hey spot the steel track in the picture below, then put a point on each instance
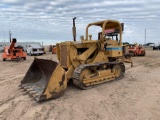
(79, 69)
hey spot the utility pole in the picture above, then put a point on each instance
(10, 36)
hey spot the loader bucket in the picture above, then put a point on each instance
(45, 79)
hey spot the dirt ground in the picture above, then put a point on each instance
(135, 97)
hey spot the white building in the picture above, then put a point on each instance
(24, 44)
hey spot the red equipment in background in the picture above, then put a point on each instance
(136, 50)
(54, 50)
(13, 52)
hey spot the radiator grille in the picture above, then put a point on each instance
(63, 55)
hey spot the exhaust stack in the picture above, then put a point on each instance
(74, 29)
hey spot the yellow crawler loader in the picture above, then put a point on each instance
(86, 62)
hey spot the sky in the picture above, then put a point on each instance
(50, 21)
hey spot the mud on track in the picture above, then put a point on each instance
(135, 97)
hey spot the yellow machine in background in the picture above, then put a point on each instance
(87, 62)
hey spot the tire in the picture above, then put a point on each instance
(131, 53)
(127, 56)
(143, 53)
(24, 58)
(18, 58)
(135, 54)
(4, 59)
